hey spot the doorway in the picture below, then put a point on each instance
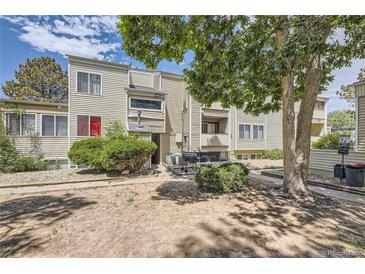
(155, 159)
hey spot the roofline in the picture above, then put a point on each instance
(324, 98)
(86, 59)
(24, 102)
(358, 83)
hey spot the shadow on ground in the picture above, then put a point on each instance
(263, 224)
(18, 215)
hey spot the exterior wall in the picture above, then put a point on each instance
(195, 125)
(322, 161)
(55, 147)
(360, 115)
(110, 105)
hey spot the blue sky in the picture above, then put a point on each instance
(23, 37)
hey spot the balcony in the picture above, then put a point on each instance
(319, 116)
(216, 139)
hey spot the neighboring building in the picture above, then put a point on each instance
(155, 104)
(360, 115)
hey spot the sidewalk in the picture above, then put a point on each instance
(325, 191)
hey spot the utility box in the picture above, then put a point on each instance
(178, 137)
(339, 171)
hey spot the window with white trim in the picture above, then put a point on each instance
(54, 125)
(256, 156)
(88, 125)
(243, 156)
(20, 124)
(244, 131)
(146, 104)
(258, 131)
(88, 83)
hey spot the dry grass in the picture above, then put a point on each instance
(173, 220)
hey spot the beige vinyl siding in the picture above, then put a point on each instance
(110, 105)
(141, 78)
(53, 147)
(273, 130)
(360, 90)
(249, 144)
(195, 125)
(173, 86)
(322, 160)
(361, 123)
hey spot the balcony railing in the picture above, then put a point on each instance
(217, 139)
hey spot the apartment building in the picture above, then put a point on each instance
(359, 88)
(155, 104)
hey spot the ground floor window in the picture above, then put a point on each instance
(88, 125)
(57, 164)
(20, 124)
(243, 156)
(252, 156)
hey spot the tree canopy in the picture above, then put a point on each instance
(38, 79)
(258, 64)
(341, 120)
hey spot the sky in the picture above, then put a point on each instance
(23, 37)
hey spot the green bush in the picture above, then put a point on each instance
(330, 141)
(126, 154)
(87, 152)
(8, 153)
(227, 178)
(28, 163)
(115, 130)
(12, 161)
(273, 154)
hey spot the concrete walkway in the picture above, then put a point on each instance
(86, 185)
(325, 191)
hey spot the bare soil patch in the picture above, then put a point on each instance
(172, 219)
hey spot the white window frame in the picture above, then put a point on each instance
(21, 122)
(256, 154)
(263, 131)
(88, 83)
(54, 125)
(244, 124)
(242, 158)
(88, 115)
(148, 109)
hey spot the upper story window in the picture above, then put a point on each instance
(88, 125)
(210, 127)
(258, 132)
(88, 83)
(244, 131)
(54, 125)
(146, 104)
(319, 105)
(20, 124)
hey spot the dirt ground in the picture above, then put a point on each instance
(171, 219)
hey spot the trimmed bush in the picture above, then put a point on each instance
(227, 178)
(126, 154)
(28, 163)
(330, 141)
(273, 154)
(87, 152)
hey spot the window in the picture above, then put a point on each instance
(88, 83)
(319, 105)
(210, 127)
(20, 124)
(243, 156)
(244, 131)
(88, 125)
(258, 132)
(146, 104)
(53, 125)
(255, 156)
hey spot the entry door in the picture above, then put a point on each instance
(155, 159)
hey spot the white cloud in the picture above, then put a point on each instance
(88, 36)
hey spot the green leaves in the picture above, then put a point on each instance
(236, 58)
(38, 79)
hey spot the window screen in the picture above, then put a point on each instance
(146, 104)
(47, 125)
(82, 125)
(244, 131)
(258, 131)
(82, 82)
(61, 126)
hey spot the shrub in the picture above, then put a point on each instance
(28, 163)
(87, 152)
(115, 130)
(227, 178)
(126, 154)
(273, 154)
(8, 153)
(330, 141)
